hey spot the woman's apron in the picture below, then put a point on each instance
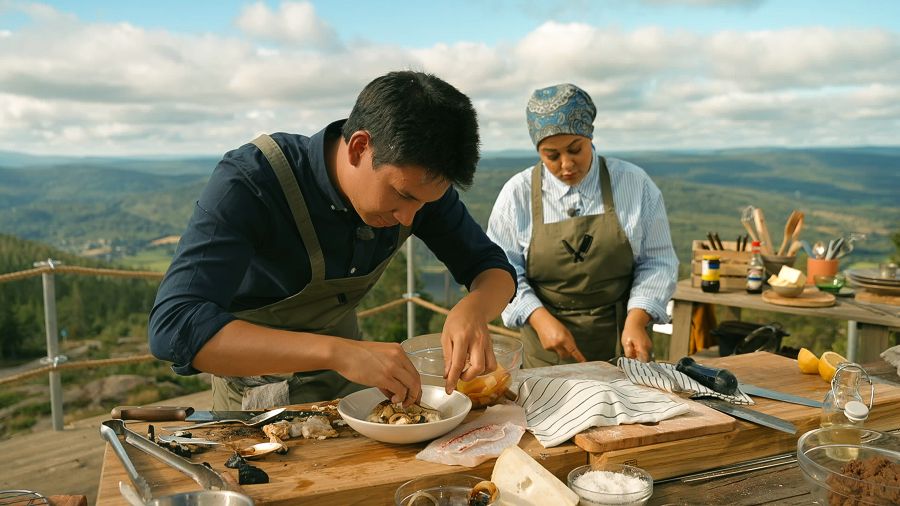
(581, 269)
(324, 306)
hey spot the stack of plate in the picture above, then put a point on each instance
(871, 280)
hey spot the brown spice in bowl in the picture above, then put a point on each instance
(871, 481)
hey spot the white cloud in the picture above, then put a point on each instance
(294, 23)
(90, 88)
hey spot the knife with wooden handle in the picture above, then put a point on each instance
(151, 413)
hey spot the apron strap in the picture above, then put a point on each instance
(606, 186)
(291, 189)
(537, 201)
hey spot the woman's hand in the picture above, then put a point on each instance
(636, 341)
(554, 335)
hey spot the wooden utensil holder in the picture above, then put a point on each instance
(732, 265)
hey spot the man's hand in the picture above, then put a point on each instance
(554, 335)
(467, 342)
(381, 365)
(636, 342)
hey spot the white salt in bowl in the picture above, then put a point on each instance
(612, 491)
(355, 408)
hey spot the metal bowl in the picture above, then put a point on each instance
(825, 456)
(204, 498)
(774, 263)
(355, 408)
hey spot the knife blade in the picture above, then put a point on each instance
(215, 416)
(748, 414)
(188, 414)
(778, 396)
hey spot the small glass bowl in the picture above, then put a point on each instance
(830, 284)
(446, 490)
(593, 498)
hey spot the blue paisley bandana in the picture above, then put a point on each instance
(560, 109)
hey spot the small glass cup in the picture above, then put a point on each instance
(830, 284)
(888, 270)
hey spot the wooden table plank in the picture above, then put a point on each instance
(873, 335)
(348, 470)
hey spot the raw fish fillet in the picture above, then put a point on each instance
(482, 439)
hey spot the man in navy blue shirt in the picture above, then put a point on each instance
(292, 231)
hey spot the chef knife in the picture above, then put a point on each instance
(778, 396)
(187, 414)
(751, 415)
(722, 381)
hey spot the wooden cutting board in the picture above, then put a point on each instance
(749, 441)
(701, 420)
(811, 297)
(877, 298)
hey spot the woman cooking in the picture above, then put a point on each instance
(588, 237)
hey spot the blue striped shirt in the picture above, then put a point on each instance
(641, 212)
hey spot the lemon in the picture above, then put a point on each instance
(808, 362)
(828, 363)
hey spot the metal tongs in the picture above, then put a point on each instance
(140, 494)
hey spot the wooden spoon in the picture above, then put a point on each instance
(789, 228)
(763, 230)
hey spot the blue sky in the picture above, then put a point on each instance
(198, 77)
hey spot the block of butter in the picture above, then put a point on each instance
(524, 482)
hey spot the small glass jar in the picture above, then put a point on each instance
(709, 274)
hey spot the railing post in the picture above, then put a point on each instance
(53, 357)
(410, 290)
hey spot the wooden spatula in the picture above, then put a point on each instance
(763, 229)
(789, 228)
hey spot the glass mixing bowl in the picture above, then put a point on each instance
(838, 464)
(426, 354)
(633, 497)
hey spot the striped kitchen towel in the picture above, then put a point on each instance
(558, 408)
(665, 377)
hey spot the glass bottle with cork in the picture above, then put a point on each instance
(755, 269)
(844, 411)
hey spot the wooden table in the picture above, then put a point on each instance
(356, 470)
(343, 471)
(778, 481)
(874, 327)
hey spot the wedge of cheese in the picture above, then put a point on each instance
(524, 482)
(792, 276)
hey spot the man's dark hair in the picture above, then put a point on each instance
(415, 118)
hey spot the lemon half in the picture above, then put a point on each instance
(808, 362)
(828, 363)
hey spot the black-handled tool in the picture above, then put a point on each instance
(722, 381)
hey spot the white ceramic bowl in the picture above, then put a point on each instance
(355, 408)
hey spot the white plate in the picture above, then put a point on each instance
(355, 408)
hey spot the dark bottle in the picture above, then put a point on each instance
(709, 274)
(755, 270)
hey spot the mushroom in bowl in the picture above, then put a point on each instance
(356, 408)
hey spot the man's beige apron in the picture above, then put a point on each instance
(583, 282)
(324, 306)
